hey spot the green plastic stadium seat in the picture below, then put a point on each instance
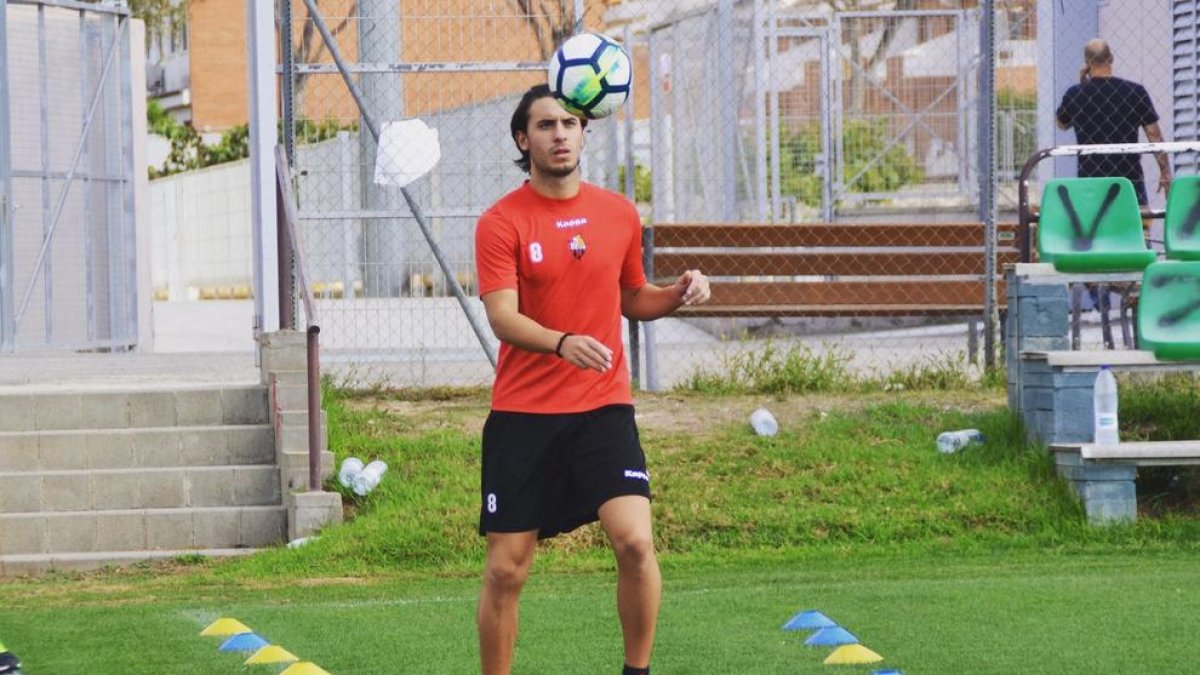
(1092, 225)
(1168, 320)
(1181, 225)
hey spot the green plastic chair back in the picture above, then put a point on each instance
(1092, 225)
(1181, 225)
(1168, 316)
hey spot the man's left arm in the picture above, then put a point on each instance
(1154, 135)
(650, 302)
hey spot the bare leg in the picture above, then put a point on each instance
(639, 582)
(508, 558)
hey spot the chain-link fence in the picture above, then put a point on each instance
(847, 132)
(67, 246)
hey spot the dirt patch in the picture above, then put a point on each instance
(681, 413)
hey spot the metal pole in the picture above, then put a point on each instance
(727, 110)
(287, 85)
(373, 127)
(46, 260)
(128, 221)
(7, 324)
(260, 65)
(773, 110)
(827, 128)
(762, 82)
(385, 261)
(635, 352)
(85, 66)
(987, 174)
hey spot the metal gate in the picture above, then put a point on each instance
(904, 97)
(67, 249)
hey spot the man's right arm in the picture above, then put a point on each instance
(1062, 116)
(522, 332)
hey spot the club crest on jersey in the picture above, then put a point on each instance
(578, 246)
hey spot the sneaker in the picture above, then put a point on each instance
(9, 663)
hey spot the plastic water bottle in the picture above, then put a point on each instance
(763, 422)
(369, 477)
(953, 441)
(1104, 408)
(351, 467)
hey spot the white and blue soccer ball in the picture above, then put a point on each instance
(590, 75)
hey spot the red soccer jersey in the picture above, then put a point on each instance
(568, 260)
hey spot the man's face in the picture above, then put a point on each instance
(553, 138)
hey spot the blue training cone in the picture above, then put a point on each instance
(888, 671)
(831, 637)
(809, 620)
(243, 642)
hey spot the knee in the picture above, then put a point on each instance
(635, 550)
(506, 576)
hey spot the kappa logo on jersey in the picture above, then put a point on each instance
(578, 246)
(640, 475)
(570, 223)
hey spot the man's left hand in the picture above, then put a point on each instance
(692, 287)
(1164, 180)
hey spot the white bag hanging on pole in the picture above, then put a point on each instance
(407, 150)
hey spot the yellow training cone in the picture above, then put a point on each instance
(272, 654)
(304, 668)
(852, 654)
(226, 627)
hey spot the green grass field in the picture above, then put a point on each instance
(971, 563)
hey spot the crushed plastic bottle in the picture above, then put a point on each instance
(952, 441)
(763, 422)
(351, 467)
(369, 477)
(1104, 408)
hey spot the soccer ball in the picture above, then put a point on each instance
(590, 75)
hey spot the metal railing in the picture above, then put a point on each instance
(290, 251)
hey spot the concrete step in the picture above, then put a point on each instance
(37, 563)
(139, 488)
(51, 533)
(56, 408)
(74, 450)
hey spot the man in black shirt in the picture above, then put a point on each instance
(1105, 109)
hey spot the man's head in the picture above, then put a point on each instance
(535, 122)
(1096, 56)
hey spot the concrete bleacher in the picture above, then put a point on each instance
(1051, 387)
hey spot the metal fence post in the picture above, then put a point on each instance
(987, 174)
(7, 325)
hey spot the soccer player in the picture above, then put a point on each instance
(1106, 109)
(559, 261)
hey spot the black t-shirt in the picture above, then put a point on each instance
(1107, 110)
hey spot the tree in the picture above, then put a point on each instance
(163, 18)
(858, 78)
(551, 21)
(310, 47)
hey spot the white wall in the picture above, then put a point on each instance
(200, 224)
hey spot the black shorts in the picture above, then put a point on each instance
(551, 473)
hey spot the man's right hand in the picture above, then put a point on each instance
(586, 352)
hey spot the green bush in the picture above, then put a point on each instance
(189, 151)
(885, 169)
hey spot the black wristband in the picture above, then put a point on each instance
(558, 347)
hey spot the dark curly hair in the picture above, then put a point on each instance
(520, 120)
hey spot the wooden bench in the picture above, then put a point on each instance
(825, 269)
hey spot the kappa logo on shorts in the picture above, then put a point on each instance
(640, 475)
